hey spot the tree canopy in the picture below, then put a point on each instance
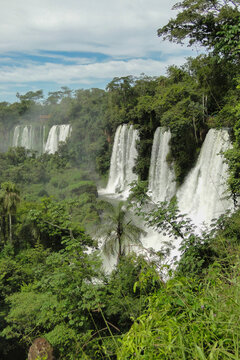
(211, 23)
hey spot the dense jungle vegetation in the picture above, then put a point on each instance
(51, 280)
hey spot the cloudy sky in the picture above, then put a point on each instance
(46, 44)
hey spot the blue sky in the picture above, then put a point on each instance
(46, 44)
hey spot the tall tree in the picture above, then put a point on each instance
(28, 100)
(118, 231)
(9, 197)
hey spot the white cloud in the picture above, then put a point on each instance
(84, 74)
(121, 28)
(123, 31)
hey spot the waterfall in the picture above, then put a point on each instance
(203, 196)
(32, 137)
(123, 158)
(57, 134)
(26, 139)
(23, 136)
(162, 185)
(64, 132)
(16, 134)
(52, 140)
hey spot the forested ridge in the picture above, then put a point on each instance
(52, 283)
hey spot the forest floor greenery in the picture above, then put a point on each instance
(52, 283)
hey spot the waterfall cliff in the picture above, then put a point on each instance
(162, 185)
(203, 196)
(29, 136)
(123, 158)
(57, 134)
(33, 137)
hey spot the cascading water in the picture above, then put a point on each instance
(203, 196)
(57, 134)
(16, 134)
(23, 136)
(27, 137)
(123, 158)
(64, 132)
(33, 137)
(52, 140)
(162, 185)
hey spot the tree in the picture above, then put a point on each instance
(9, 197)
(118, 231)
(204, 22)
(28, 100)
(52, 222)
(229, 45)
(57, 302)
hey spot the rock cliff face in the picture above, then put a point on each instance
(40, 349)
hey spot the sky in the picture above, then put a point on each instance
(46, 44)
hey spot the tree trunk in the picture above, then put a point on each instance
(10, 228)
(119, 250)
(119, 237)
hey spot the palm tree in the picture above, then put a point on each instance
(118, 232)
(9, 198)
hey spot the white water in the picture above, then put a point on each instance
(203, 196)
(123, 158)
(52, 140)
(23, 136)
(57, 134)
(27, 137)
(33, 137)
(16, 136)
(162, 185)
(64, 132)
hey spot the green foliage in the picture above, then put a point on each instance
(9, 200)
(51, 283)
(123, 301)
(53, 223)
(232, 158)
(56, 300)
(118, 232)
(87, 112)
(83, 187)
(197, 252)
(229, 44)
(138, 192)
(28, 101)
(187, 319)
(213, 24)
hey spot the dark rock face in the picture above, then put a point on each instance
(40, 350)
